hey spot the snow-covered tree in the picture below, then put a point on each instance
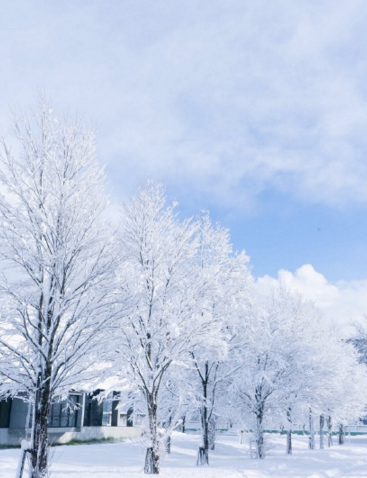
(224, 281)
(273, 357)
(158, 253)
(343, 386)
(56, 286)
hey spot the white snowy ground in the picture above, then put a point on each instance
(229, 460)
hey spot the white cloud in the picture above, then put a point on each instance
(221, 98)
(341, 302)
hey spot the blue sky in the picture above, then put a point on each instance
(255, 110)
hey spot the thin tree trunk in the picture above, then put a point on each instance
(289, 432)
(39, 435)
(203, 457)
(322, 423)
(149, 461)
(341, 434)
(330, 431)
(260, 433)
(168, 445)
(205, 427)
(289, 441)
(212, 433)
(203, 453)
(168, 439)
(152, 462)
(311, 442)
(152, 458)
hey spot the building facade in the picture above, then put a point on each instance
(81, 417)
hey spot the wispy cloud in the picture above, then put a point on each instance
(221, 99)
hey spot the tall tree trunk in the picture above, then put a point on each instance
(203, 453)
(39, 434)
(322, 423)
(203, 457)
(341, 434)
(260, 433)
(168, 445)
(205, 427)
(168, 439)
(289, 441)
(152, 457)
(289, 432)
(329, 431)
(311, 442)
(212, 433)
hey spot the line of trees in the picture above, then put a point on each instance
(198, 340)
(162, 303)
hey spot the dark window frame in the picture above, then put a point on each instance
(5, 411)
(63, 415)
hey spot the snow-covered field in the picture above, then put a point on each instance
(229, 460)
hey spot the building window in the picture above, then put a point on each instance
(93, 415)
(65, 413)
(5, 407)
(107, 413)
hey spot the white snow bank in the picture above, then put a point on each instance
(229, 460)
